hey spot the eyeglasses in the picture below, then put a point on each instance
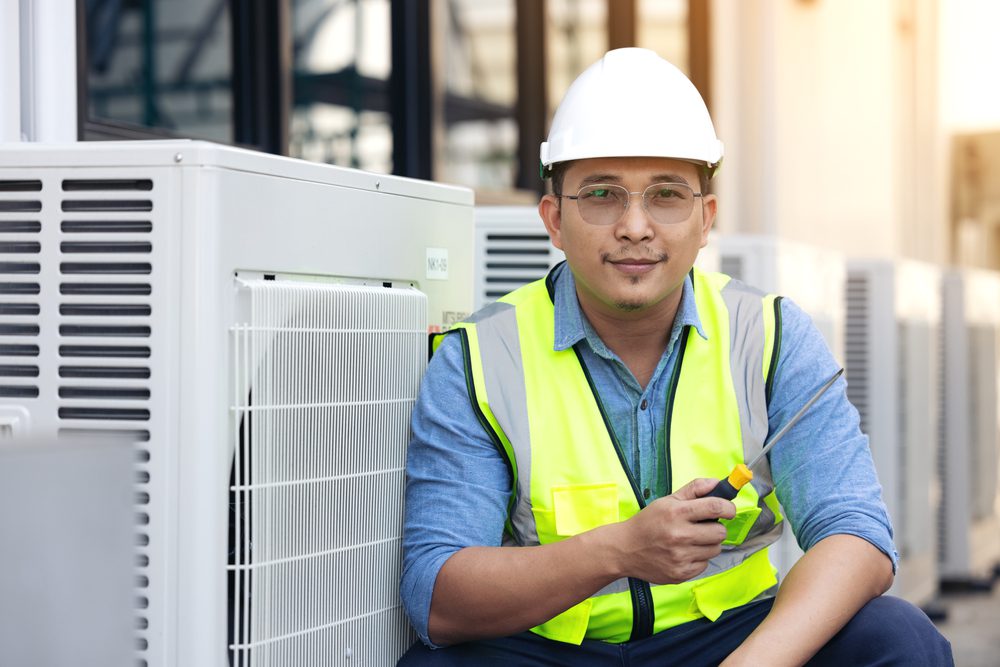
(605, 204)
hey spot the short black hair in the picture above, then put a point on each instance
(558, 174)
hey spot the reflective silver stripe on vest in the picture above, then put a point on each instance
(500, 351)
(746, 359)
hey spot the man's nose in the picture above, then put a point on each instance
(635, 223)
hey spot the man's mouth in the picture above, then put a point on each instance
(627, 262)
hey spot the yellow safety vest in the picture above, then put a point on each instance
(569, 473)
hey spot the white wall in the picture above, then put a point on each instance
(821, 105)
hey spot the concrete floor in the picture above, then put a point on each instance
(973, 627)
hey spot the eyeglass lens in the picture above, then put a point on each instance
(666, 203)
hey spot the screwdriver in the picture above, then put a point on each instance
(741, 474)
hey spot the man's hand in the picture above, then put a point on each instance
(497, 591)
(672, 539)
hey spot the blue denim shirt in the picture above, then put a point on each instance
(458, 484)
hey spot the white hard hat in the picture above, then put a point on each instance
(632, 103)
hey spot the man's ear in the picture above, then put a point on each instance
(710, 206)
(551, 215)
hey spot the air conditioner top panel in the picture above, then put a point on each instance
(185, 152)
(507, 215)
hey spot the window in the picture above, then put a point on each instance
(154, 69)
(341, 63)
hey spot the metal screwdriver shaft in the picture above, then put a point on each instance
(728, 488)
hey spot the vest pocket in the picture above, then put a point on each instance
(577, 508)
(739, 526)
(569, 626)
(734, 587)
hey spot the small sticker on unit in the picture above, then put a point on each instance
(437, 263)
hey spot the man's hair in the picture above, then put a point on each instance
(558, 172)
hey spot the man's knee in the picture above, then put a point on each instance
(887, 631)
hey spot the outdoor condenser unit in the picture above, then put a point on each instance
(969, 532)
(891, 347)
(813, 278)
(513, 249)
(258, 325)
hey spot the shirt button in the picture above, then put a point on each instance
(642, 406)
(645, 494)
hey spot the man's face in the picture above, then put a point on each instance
(634, 265)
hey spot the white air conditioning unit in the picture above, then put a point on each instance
(257, 324)
(969, 530)
(813, 278)
(512, 250)
(891, 345)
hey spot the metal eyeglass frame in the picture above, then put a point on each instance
(628, 200)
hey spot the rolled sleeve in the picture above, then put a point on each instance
(823, 469)
(457, 483)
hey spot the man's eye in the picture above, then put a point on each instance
(669, 193)
(598, 193)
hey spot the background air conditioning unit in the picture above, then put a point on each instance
(257, 324)
(512, 249)
(969, 532)
(893, 328)
(814, 279)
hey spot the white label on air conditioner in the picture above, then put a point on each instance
(437, 264)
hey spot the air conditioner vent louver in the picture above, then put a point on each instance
(19, 247)
(513, 260)
(107, 184)
(26, 226)
(20, 308)
(24, 370)
(21, 186)
(19, 288)
(107, 205)
(20, 206)
(102, 311)
(20, 267)
(105, 268)
(115, 372)
(105, 289)
(107, 226)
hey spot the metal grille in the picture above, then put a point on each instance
(941, 453)
(20, 266)
(902, 519)
(514, 260)
(105, 334)
(325, 380)
(982, 420)
(857, 342)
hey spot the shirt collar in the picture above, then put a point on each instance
(571, 326)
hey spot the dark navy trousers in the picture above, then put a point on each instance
(886, 631)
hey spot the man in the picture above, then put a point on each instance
(566, 436)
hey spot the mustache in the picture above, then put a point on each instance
(642, 251)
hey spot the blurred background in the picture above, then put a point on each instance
(869, 126)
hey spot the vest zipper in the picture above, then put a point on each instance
(642, 596)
